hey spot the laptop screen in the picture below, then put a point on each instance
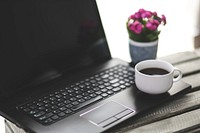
(43, 38)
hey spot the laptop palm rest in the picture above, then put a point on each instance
(107, 113)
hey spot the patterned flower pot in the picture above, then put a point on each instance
(140, 51)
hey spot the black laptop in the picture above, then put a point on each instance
(56, 70)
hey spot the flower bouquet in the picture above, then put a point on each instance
(143, 26)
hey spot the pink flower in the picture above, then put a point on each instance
(136, 27)
(137, 15)
(131, 17)
(154, 13)
(146, 14)
(156, 22)
(163, 18)
(142, 10)
(152, 24)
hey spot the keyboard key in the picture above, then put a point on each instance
(48, 121)
(87, 103)
(115, 85)
(39, 114)
(116, 89)
(45, 116)
(110, 92)
(114, 81)
(68, 111)
(55, 117)
(62, 109)
(56, 111)
(32, 112)
(104, 94)
(26, 109)
(61, 114)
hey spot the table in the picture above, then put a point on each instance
(182, 114)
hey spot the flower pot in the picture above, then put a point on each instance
(140, 51)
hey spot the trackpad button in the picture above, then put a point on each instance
(105, 114)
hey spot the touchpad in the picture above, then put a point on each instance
(107, 113)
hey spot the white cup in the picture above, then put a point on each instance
(153, 83)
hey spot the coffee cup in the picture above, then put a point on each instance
(156, 76)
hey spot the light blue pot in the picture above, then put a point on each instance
(140, 51)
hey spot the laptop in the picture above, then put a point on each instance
(57, 74)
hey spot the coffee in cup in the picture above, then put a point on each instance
(155, 76)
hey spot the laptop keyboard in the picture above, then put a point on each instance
(70, 99)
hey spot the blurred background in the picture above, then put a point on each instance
(183, 24)
(181, 33)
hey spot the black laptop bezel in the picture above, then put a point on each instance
(102, 52)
